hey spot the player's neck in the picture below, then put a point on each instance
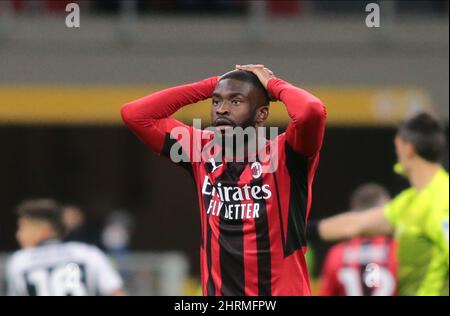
(242, 151)
(51, 238)
(422, 173)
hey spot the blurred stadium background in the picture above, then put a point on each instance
(61, 135)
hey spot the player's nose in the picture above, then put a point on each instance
(223, 109)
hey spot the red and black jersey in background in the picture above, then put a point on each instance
(253, 220)
(361, 267)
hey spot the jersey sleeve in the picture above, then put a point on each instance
(436, 229)
(149, 117)
(305, 132)
(108, 279)
(10, 286)
(14, 281)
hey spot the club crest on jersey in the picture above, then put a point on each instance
(256, 170)
(214, 165)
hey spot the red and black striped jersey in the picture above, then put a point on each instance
(253, 216)
(361, 267)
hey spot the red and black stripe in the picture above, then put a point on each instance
(263, 246)
(210, 288)
(298, 201)
(231, 240)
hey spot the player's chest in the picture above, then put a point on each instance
(235, 191)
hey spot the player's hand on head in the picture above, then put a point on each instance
(264, 74)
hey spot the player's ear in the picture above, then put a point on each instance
(262, 114)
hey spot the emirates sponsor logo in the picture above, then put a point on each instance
(236, 193)
(233, 211)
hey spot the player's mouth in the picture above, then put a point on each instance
(223, 123)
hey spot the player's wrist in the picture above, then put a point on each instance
(271, 88)
(209, 84)
(312, 231)
(212, 80)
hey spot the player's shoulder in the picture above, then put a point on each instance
(86, 253)
(276, 145)
(440, 183)
(443, 176)
(338, 249)
(402, 198)
(406, 193)
(18, 259)
(335, 256)
(14, 258)
(441, 189)
(280, 137)
(433, 202)
(81, 248)
(285, 149)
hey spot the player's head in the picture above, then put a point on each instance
(368, 195)
(421, 137)
(38, 220)
(239, 99)
(72, 217)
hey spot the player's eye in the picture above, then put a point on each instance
(215, 102)
(236, 102)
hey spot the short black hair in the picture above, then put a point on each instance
(250, 77)
(43, 209)
(368, 195)
(426, 134)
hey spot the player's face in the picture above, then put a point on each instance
(72, 218)
(404, 152)
(235, 103)
(30, 232)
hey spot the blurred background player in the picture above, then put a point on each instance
(75, 226)
(418, 216)
(362, 266)
(47, 267)
(115, 238)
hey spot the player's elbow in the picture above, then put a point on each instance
(127, 113)
(317, 112)
(133, 115)
(314, 114)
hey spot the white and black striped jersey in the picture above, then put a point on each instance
(61, 269)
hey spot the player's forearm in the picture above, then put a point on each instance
(347, 225)
(164, 103)
(301, 105)
(339, 227)
(307, 112)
